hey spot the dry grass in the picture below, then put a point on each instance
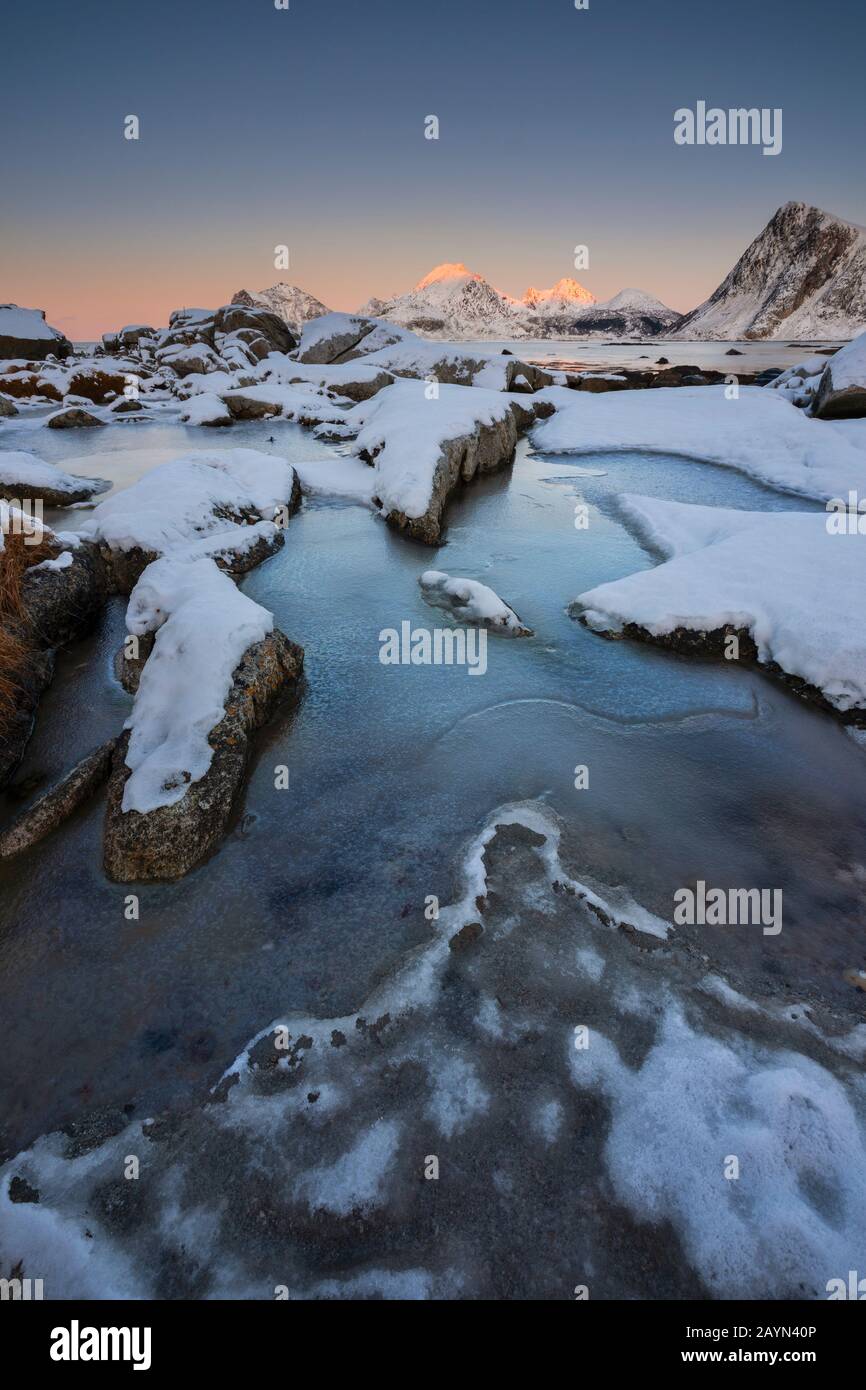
(16, 640)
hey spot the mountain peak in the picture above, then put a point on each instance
(565, 292)
(447, 271)
(804, 276)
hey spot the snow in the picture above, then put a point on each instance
(301, 402)
(277, 366)
(408, 430)
(339, 477)
(759, 433)
(470, 602)
(28, 474)
(204, 409)
(177, 502)
(796, 587)
(203, 626)
(848, 366)
(25, 323)
(693, 1101)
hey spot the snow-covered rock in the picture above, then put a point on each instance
(471, 602)
(759, 432)
(804, 276)
(204, 408)
(221, 502)
(423, 446)
(355, 381)
(215, 672)
(23, 475)
(841, 391)
(781, 581)
(24, 333)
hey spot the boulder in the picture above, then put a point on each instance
(841, 392)
(7, 408)
(260, 323)
(24, 333)
(24, 384)
(461, 460)
(95, 385)
(58, 803)
(168, 842)
(72, 419)
(328, 338)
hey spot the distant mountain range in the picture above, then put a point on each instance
(803, 277)
(454, 302)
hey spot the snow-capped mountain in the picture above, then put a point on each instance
(453, 302)
(629, 314)
(564, 297)
(803, 277)
(456, 303)
(293, 305)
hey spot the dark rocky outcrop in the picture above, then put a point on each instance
(167, 843)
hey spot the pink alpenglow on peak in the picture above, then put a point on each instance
(562, 296)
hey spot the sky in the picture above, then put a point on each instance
(304, 127)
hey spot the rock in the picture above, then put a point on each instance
(733, 352)
(57, 804)
(24, 333)
(333, 335)
(23, 384)
(261, 323)
(461, 460)
(7, 408)
(132, 335)
(246, 407)
(466, 936)
(29, 686)
(95, 386)
(24, 475)
(128, 668)
(166, 843)
(56, 606)
(63, 604)
(127, 405)
(662, 361)
(186, 359)
(842, 388)
(72, 419)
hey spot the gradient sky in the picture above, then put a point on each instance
(306, 127)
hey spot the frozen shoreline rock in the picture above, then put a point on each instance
(180, 765)
(219, 503)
